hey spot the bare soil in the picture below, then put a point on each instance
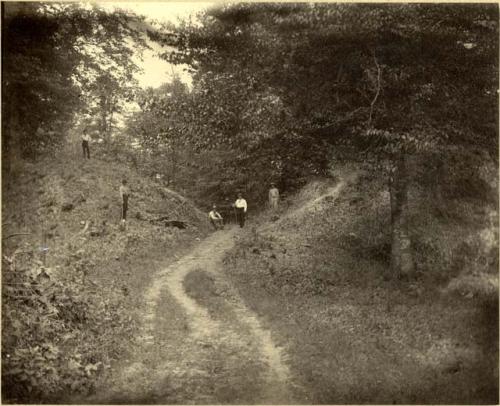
(198, 342)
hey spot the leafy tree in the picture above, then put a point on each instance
(106, 73)
(37, 87)
(56, 59)
(160, 126)
(390, 80)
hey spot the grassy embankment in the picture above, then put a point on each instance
(69, 316)
(319, 277)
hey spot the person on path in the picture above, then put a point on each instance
(124, 194)
(274, 197)
(216, 219)
(241, 209)
(85, 143)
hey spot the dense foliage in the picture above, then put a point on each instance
(281, 92)
(410, 73)
(180, 129)
(59, 60)
(57, 329)
(388, 80)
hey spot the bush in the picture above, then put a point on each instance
(58, 336)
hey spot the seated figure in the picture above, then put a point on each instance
(216, 219)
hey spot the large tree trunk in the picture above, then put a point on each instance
(402, 263)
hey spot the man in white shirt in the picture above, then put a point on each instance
(241, 209)
(216, 218)
(274, 197)
(85, 143)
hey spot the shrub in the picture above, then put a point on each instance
(58, 336)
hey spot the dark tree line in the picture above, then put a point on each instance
(282, 84)
(277, 89)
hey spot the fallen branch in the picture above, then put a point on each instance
(81, 231)
(21, 283)
(174, 194)
(170, 223)
(15, 234)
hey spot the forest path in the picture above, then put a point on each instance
(199, 343)
(313, 202)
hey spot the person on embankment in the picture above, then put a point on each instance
(124, 195)
(274, 197)
(85, 144)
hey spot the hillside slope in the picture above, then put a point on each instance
(106, 304)
(320, 278)
(73, 282)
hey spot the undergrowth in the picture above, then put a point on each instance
(321, 279)
(59, 334)
(72, 282)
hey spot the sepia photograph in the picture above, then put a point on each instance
(260, 203)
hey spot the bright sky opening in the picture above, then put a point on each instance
(157, 71)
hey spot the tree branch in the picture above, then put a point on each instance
(379, 73)
(333, 125)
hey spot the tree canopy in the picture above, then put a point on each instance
(59, 59)
(280, 84)
(423, 74)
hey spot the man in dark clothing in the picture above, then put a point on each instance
(85, 143)
(124, 193)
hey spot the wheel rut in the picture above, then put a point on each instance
(190, 352)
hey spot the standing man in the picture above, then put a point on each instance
(241, 209)
(124, 194)
(274, 197)
(216, 218)
(85, 143)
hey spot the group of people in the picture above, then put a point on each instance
(240, 207)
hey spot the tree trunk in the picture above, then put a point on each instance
(12, 138)
(437, 189)
(110, 123)
(402, 263)
(174, 164)
(104, 118)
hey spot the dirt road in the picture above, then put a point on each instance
(199, 343)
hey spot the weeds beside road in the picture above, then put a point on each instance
(300, 310)
(353, 335)
(69, 311)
